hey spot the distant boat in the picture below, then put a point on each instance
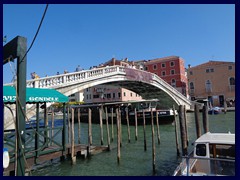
(165, 116)
(215, 110)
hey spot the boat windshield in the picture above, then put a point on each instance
(224, 151)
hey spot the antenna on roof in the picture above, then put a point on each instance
(212, 57)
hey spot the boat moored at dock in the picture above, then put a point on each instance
(213, 155)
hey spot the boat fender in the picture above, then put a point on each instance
(6, 158)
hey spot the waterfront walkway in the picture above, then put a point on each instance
(49, 154)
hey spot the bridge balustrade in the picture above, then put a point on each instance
(97, 73)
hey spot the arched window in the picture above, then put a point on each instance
(173, 83)
(208, 86)
(232, 81)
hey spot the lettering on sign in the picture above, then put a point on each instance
(49, 99)
(9, 98)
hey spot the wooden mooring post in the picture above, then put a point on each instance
(176, 131)
(205, 117)
(46, 132)
(112, 124)
(136, 124)
(158, 131)
(128, 127)
(37, 134)
(197, 123)
(120, 125)
(118, 137)
(225, 106)
(73, 157)
(153, 144)
(101, 124)
(183, 130)
(52, 134)
(79, 126)
(69, 132)
(185, 117)
(89, 132)
(144, 131)
(108, 138)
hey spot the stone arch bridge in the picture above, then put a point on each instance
(146, 84)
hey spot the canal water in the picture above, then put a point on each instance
(134, 160)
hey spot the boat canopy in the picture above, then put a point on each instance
(34, 95)
(217, 138)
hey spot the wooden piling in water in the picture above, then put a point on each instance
(79, 126)
(153, 144)
(128, 127)
(144, 131)
(225, 106)
(89, 132)
(36, 133)
(185, 117)
(112, 124)
(118, 136)
(205, 118)
(120, 126)
(158, 131)
(73, 157)
(101, 124)
(136, 124)
(52, 134)
(69, 132)
(46, 132)
(197, 123)
(176, 131)
(183, 130)
(108, 138)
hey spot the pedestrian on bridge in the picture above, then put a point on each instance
(78, 68)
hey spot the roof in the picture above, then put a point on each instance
(34, 95)
(169, 58)
(115, 103)
(212, 63)
(217, 138)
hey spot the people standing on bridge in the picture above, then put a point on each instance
(34, 75)
(78, 68)
(58, 73)
(65, 71)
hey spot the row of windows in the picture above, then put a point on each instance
(208, 83)
(209, 70)
(163, 65)
(163, 73)
(109, 95)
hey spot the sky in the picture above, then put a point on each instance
(91, 34)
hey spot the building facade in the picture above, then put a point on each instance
(214, 80)
(107, 93)
(171, 69)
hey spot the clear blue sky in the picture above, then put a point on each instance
(89, 35)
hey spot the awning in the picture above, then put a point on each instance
(34, 95)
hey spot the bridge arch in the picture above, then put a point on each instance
(146, 84)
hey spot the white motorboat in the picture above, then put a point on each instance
(213, 155)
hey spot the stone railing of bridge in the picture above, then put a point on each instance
(68, 78)
(170, 88)
(62, 80)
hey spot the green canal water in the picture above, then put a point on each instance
(134, 160)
